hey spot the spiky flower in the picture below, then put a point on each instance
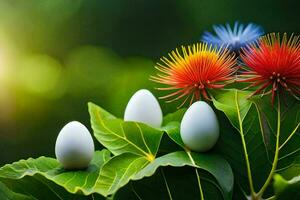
(235, 38)
(189, 73)
(273, 65)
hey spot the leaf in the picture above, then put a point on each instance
(214, 164)
(287, 183)
(118, 171)
(221, 180)
(173, 131)
(287, 189)
(232, 102)
(114, 173)
(289, 131)
(174, 117)
(241, 112)
(175, 183)
(122, 137)
(258, 118)
(7, 194)
(291, 171)
(45, 174)
(171, 125)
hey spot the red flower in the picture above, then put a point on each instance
(197, 68)
(273, 64)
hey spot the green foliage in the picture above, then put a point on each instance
(287, 188)
(287, 183)
(241, 113)
(46, 177)
(207, 162)
(135, 147)
(256, 122)
(153, 163)
(120, 137)
(6, 194)
(118, 171)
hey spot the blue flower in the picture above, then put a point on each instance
(235, 39)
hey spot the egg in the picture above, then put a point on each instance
(74, 147)
(199, 127)
(144, 107)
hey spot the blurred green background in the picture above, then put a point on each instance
(57, 55)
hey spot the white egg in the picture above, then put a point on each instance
(74, 147)
(199, 127)
(144, 107)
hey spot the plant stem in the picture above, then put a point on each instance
(199, 184)
(136, 194)
(275, 161)
(271, 198)
(166, 183)
(290, 136)
(248, 166)
(197, 174)
(245, 149)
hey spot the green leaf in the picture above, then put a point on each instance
(216, 177)
(258, 119)
(287, 183)
(289, 131)
(173, 131)
(7, 194)
(241, 112)
(32, 176)
(175, 183)
(174, 117)
(232, 102)
(287, 189)
(171, 125)
(214, 164)
(122, 137)
(118, 171)
(291, 171)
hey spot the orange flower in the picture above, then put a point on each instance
(194, 70)
(273, 64)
